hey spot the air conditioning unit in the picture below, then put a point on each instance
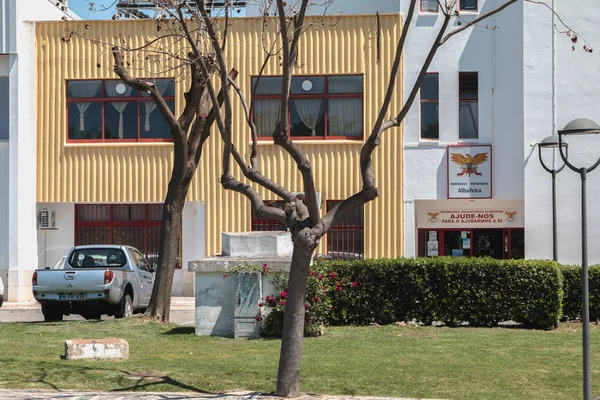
(301, 196)
(47, 219)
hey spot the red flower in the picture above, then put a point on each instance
(260, 304)
(338, 288)
(324, 288)
(270, 299)
(320, 277)
(332, 275)
(283, 294)
(354, 284)
(259, 318)
(224, 276)
(265, 267)
(306, 306)
(316, 298)
(282, 303)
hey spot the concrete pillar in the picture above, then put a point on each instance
(22, 225)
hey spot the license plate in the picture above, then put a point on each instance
(70, 297)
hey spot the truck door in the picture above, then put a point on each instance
(145, 278)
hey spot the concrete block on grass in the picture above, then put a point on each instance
(96, 349)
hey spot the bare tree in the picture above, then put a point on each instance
(205, 39)
(301, 214)
(180, 43)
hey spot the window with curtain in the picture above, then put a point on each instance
(320, 107)
(468, 107)
(430, 106)
(467, 5)
(111, 111)
(429, 5)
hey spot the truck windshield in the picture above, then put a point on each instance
(97, 258)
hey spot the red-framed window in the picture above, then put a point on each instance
(266, 224)
(500, 243)
(319, 108)
(430, 106)
(467, 5)
(136, 225)
(110, 111)
(429, 6)
(468, 107)
(346, 239)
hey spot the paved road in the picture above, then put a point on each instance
(181, 317)
(182, 312)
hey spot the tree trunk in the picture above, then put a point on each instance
(288, 377)
(160, 302)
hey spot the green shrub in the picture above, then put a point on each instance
(480, 291)
(572, 303)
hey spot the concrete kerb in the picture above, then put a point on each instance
(233, 395)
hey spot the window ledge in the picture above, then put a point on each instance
(125, 144)
(319, 142)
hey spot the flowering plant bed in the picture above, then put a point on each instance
(320, 288)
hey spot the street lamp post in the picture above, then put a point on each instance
(582, 126)
(552, 142)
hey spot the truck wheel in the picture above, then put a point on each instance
(52, 314)
(1, 300)
(125, 307)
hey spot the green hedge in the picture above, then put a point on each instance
(572, 287)
(480, 291)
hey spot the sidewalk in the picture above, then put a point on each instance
(177, 303)
(234, 395)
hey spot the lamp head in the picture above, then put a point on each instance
(580, 126)
(552, 142)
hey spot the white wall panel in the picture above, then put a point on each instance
(4, 206)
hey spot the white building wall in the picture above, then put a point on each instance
(500, 119)
(577, 95)
(8, 43)
(4, 214)
(18, 38)
(193, 246)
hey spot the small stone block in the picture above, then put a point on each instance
(96, 349)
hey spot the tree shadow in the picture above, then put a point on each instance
(143, 381)
(156, 382)
(181, 330)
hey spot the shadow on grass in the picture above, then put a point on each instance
(500, 325)
(181, 330)
(156, 382)
(143, 380)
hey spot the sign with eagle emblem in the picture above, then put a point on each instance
(469, 172)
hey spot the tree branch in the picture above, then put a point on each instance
(221, 65)
(476, 20)
(280, 135)
(150, 89)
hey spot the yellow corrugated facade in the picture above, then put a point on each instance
(139, 172)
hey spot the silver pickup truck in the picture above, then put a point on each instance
(94, 281)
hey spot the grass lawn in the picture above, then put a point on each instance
(427, 362)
